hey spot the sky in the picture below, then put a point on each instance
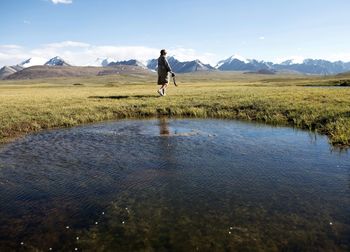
(80, 31)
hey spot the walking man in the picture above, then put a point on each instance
(163, 70)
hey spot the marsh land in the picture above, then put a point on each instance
(171, 183)
(33, 105)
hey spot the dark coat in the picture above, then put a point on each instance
(163, 70)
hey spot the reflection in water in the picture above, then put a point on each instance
(166, 147)
(164, 127)
(174, 185)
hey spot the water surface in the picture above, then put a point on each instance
(174, 185)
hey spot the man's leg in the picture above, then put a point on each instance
(160, 91)
(164, 88)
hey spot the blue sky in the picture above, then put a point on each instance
(210, 30)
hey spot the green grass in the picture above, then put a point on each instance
(33, 105)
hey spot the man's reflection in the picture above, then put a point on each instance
(164, 127)
(167, 145)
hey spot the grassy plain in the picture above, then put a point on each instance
(33, 105)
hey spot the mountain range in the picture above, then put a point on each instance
(181, 67)
(308, 66)
(131, 62)
(233, 63)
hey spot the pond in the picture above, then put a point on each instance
(174, 185)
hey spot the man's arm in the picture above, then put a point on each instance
(167, 65)
(169, 68)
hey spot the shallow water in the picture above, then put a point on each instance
(174, 185)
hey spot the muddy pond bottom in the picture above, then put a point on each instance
(174, 185)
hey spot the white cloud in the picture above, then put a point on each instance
(261, 37)
(10, 47)
(240, 57)
(62, 1)
(122, 52)
(68, 43)
(79, 53)
(10, 54)
(185, 54)
(339, 56)
(296, 59)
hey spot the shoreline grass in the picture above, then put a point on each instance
(31, 106)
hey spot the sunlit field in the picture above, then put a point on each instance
(311, 103)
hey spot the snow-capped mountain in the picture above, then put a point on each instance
(307, 66)
(103, 62)
(230, 60)
(311, 66)
(241, 64)
(132, 62)
(175, 64)
(290, 62)
(194, 66)
(56, 61)
(182, 67)
(152, 64)
(34, 61)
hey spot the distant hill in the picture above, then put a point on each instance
(8, 70)
(125, 70)
(263, 71)
(345, 74)
(38, 72)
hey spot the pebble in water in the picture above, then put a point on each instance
(331, 223)
(123, 222)
(50, 249)
(96, 223)
(22, 243)
(103, 213)
(67, 227)
(77, 238)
